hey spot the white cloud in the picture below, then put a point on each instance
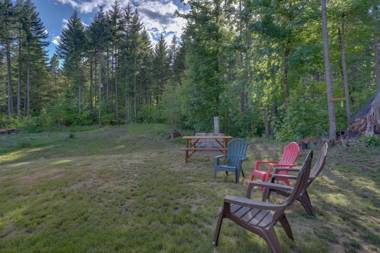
(157, 16)
(90, 6)
(72, 3)
(56, 40)
(64, 23)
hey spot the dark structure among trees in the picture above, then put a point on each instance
(367, 120)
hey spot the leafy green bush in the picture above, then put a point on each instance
(29, 123)
(64, 113)
(371, 141)
(149, 114)
(171, 106)
(303, 117)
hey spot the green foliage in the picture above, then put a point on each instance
(256, 64)
(64, 113)
(303, 117)
(371, 141)
(172, 104)
(202, 78)
(150, 114)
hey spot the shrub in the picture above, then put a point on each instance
(371, 141)
(171, 106)
(149, 114)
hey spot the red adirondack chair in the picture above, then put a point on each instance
(288, 159)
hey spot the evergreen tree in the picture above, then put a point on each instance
(117, 30)
(161, 68)
(131, 62)
(328, 74)
(178, 63)
(203, 75)
(55, 72)
(35, 36)
(98, 42)
(6, 39)
(71, 49)
(145, 77)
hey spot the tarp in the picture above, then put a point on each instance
(363, 111)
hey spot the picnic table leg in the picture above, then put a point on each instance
(225, 147)
(187, 151)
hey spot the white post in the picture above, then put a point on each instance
(216, 125)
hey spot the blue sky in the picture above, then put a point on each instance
(157, 15)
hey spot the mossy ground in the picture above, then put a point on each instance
(129, 190)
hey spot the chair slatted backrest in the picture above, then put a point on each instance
(299, 188)
(290, 153)
(237, 151)
(320, 164)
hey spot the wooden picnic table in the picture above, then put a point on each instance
(193, 144)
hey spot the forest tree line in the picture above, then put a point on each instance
(264, 67)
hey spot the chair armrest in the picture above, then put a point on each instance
(276, 169)
(217, 160)
(265, 161)
(251, 203)
(284, 165)
(260, 162)
(284, 176)
(270, 186)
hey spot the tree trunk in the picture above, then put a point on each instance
(267, 123)
(107, 79)
(241, 59)
(342, 45)
(286, 70)
(117, 100)
(115, 56)
(95, 97)
(100, 102)
(79, 86)
(9, 72)
(91, 85)
(328, 74)
(376, 47)
(19, 84)
(126, 105)
(135, 94)
(27, 88)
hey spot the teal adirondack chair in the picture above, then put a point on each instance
(236, 154)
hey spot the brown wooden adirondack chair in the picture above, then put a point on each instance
(260, 217)
(304, 198)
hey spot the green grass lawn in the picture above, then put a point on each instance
(129, 190)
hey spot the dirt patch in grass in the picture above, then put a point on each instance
(36, 176)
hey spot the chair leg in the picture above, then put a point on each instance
(285, 224)
(237, 176)
(242, 172)
(226, 173)
(218, 227)
(306, 203)
(266, 194)
(265, 178)
(272, 240)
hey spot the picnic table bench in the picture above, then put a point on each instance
(195, 144)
